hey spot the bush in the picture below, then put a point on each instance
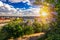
(53, 34)
(13, 30)
(28, 30)
(39, 27)
(3, 35)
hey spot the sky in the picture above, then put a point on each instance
(18, 7)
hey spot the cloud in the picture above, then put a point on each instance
(3, 0)
(8, 10)
(1, 4)
(29, 2)
(30, 12)
(17, 1)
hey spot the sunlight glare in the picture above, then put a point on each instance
(44, 14)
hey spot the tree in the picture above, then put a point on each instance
(54, 33)
(13, 29)
(28, 30)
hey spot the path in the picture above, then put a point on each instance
(30, 37)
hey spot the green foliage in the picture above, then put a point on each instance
(28, 30)
(3, 35)
(54, 33)
(50, 1)
(37, 27)
(13, 30)
(16, 29)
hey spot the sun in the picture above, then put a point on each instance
(44, 11)
(44, 14)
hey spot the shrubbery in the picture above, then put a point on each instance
(37, 27)
(53, 34)
(13, 30)
(16, 29)
(28, 30)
